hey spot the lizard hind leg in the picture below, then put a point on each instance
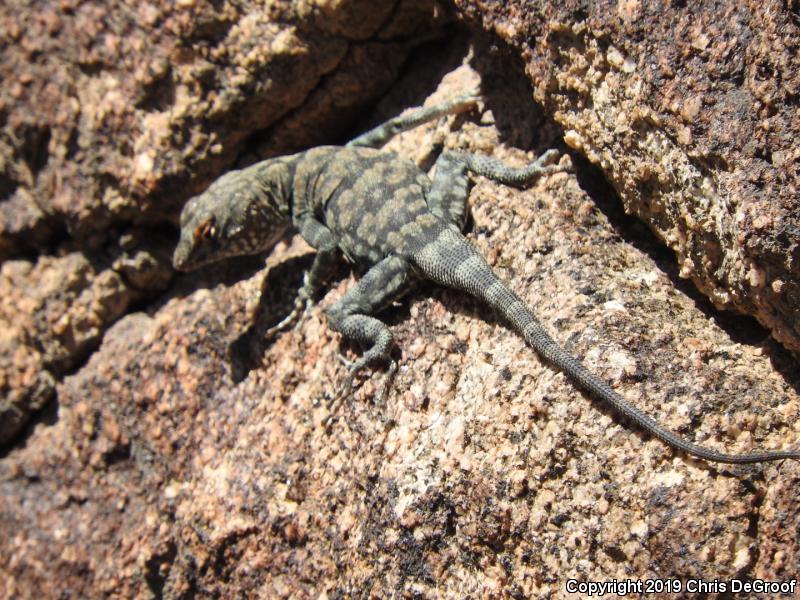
(383, 283)
(447, 197)
(502, 173)
(448, 194)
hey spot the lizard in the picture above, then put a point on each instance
(382, 212)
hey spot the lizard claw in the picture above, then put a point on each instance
(550, 162)
(546, 164)
(302, 305)
(466, 100)
(390, 373)
(347, 363)
(355, 366)
(347, 387)
(547, 158)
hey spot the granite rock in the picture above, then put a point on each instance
(116, 113)
(690, 110)
(112, 115)
(54, 311)
(189, 455)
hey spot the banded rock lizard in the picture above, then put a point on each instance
(383, 212)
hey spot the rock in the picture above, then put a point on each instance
(186, 455)
(55, 311)
(689, 111)
(189, 456)
(114, 116)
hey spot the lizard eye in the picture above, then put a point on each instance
(206, 230)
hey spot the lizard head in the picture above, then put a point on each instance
(233, 217)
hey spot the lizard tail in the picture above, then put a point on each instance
(452, 261)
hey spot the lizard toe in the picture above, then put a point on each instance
(302, 306)
(387, 382)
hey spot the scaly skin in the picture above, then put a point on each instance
(381, 211)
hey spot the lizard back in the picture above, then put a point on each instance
(372, 200)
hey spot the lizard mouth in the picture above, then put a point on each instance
(180, 258)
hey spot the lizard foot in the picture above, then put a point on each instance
(354, 366)
(302, 305)
(387, 381)
(549, 162)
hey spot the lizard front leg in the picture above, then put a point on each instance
(380, 135)
(315, 279)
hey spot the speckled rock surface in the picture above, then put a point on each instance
(691, 111)
(111, 111)
(54, 311)
(188, 457)
(112, 115)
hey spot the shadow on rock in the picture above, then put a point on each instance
(278, 291)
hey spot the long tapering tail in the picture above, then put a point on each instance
(451, 260)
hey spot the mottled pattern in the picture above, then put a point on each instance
(254, 218)
(381, 212)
